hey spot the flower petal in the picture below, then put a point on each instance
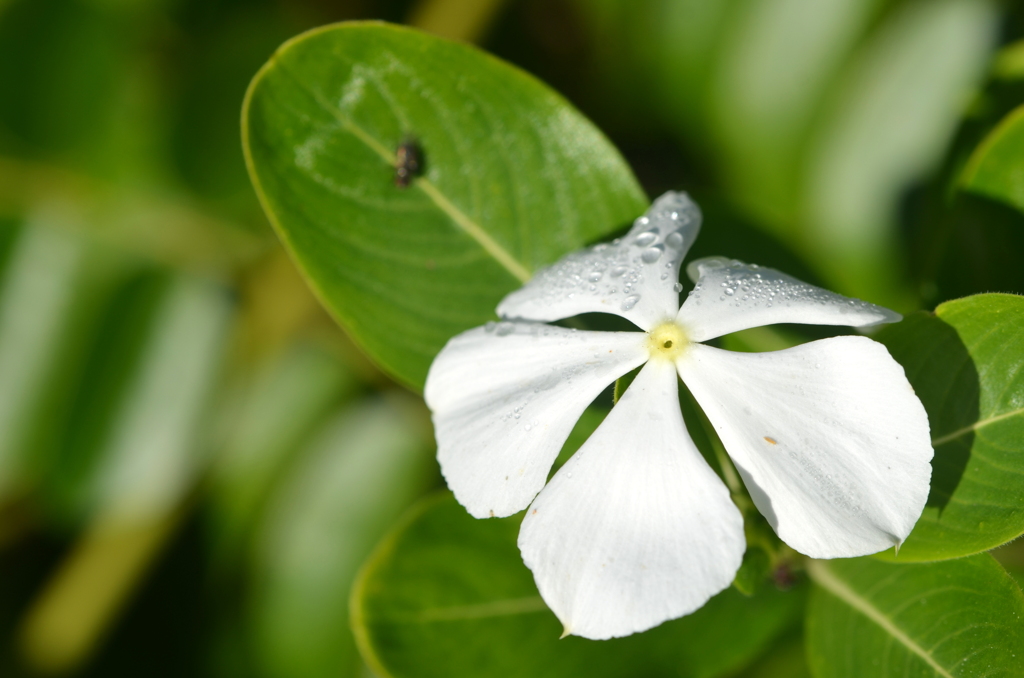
(636, 528)
(636, 277)
(505, 397)
(731, 296)
(829, 437)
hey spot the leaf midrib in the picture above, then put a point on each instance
(824, 578)
(942, 440)
(474, 230)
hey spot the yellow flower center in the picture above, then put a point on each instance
(667, 341)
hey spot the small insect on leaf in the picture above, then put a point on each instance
(408, 163)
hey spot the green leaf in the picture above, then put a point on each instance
(1009, 62)
(966, 363)
(949, 619)
(448, 595)
(354, 480)
(45, 272)
(889, 123)
(786, 659)
(288, 398)
(57, 57)
(153, 446)
(514, 178)
(773, 74)
(996, 168)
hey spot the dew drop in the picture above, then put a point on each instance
(678, 287)
(645, 239)
(729, 291)
(595, 276)
(528, 427)
(651, 255)
(674, 240)
(630, 301)
(618, 271)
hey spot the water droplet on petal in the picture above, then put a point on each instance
(729, 291)
(595, 276)
(674, 240)
(651, 255)
(645, 239)
(618, 271)
(630, 301)
(678, 287)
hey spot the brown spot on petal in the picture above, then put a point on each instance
(771, 441)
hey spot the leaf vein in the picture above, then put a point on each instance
(823, 577)
(474, 230)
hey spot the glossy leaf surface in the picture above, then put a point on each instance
(354, 479)
(445, 595)
(966, 363)
(950, 619)
(996, 168)
(510, 178)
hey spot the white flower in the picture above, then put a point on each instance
(829, 438)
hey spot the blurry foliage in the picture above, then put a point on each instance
(194, 460)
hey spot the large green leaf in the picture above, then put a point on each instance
(773, 74)
(949, 619)
(996, 167)
(287, 399)
(448, 595)
(152, 448)
(889, 122)
(355, 479)
(48, 279)
(514, 177)
(966, 363)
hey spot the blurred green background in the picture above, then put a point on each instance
(194, 460)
